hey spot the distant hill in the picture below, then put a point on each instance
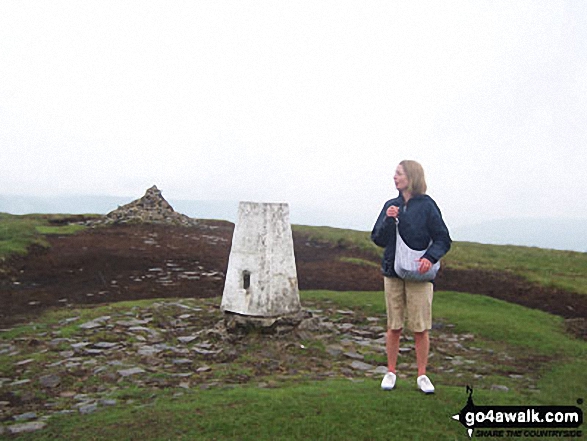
(560, 234)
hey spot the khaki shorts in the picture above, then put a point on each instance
(412, 299)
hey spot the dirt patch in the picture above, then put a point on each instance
(129, 262)
(514, 289)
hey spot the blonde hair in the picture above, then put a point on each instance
(415, 175)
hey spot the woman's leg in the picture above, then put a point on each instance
(422, 342)
(392, 348)
(419, 301)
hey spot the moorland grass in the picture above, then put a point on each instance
(61, 229)
(19, 232)
(565, 270)
(340, 237)
(552, 268)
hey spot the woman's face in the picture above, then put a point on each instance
(400, 178)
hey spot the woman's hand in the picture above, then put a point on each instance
(392, 211)
(425, 265)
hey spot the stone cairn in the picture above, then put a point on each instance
(151, 208)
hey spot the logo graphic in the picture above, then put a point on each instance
(539, 421)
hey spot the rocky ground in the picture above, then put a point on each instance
(80, 365)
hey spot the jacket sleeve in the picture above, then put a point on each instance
(383, 229)
(441, 241)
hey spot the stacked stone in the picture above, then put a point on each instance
(151, 208)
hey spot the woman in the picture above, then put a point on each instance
(421, 227)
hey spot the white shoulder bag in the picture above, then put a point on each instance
(406, 261)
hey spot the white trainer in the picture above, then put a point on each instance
(425, 385)
(388, 381)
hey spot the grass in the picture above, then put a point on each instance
(360, 262)
(338, 408)
(331, 410)
(62, 229)
(19, 232)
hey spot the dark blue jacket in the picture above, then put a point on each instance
(420, 222)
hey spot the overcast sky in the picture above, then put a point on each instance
(308, 102)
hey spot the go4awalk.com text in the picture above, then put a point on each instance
(521, 421)
(528, 433)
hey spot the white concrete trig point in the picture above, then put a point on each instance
(261, 279)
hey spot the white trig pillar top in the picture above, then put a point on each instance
(261, 279)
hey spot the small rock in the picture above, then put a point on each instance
(91, 325)
(88, 408)
(25, 416)
(26, 427)
(95, 323)
(58, 341)
(94, 351)
(50, 381)
(148, 351)
(310, 324)
(132, 322)
(131, 371)
(107, 402)
(500, 388)
(205, 351)
(67, 394)
(105, 345)
(143, 329)
(359, 365)
(354, 356)
(334, 350)
(187, 339)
